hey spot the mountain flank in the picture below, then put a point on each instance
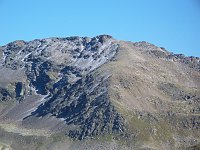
(81, 92)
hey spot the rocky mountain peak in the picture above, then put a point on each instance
(86, 88)
(60, 71)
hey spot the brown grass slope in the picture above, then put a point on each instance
(158, 97)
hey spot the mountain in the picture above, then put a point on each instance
(97, 93)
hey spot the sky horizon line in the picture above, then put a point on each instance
(171, 51)
(173, 24)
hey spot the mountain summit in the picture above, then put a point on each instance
(85, 93)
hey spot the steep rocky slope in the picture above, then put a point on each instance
(127, 95)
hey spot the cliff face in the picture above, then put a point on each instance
(135, 93)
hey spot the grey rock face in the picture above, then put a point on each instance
(85, 53)
(61, 69)
(85, 104)
(192, 122)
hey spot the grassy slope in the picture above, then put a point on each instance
(134, 91)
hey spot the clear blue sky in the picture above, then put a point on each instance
(173, 24)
